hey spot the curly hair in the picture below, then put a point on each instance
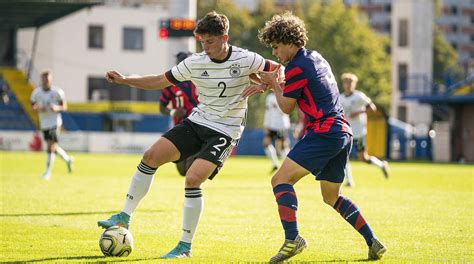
(284, 28)
(213, 24)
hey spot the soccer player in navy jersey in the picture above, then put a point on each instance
(181, 98)
(324, 148)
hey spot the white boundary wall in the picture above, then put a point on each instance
(102, 142)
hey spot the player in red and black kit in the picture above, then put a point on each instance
(178, 101)
(324, 149)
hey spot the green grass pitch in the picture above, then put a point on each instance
(423, 213)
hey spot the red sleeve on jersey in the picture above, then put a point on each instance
(165, 96)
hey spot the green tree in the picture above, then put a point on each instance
(445, 57)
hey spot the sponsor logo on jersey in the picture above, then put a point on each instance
(234, 70)
(205, 74)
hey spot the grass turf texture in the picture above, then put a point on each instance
(423, 213)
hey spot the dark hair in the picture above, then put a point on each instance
(283, 28)
(182, 55)
(213, 24)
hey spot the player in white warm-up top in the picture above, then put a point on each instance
(49, 101)
(356, 104)
(276, 125)
(222, 75)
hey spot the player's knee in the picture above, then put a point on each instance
(150, 157)
(193, 180)
(279, 179)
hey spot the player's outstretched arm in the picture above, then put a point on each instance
(147, 82)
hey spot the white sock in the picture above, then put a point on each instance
(349, 178)
(376, 161)
(270, 151)
(192, 210)
(49, 162)
(60, 151)
(141, 183)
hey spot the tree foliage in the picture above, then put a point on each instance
(445, 57)
(339, 33)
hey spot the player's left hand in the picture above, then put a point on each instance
(55, 108)
(354, 114)
(273, 77)
(254, 89)
(179, 112)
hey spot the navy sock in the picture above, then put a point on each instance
(352, 214)
(287, 206)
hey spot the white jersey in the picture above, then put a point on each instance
(274, 118)
(355, 102)
(219, 85)
(54, 96)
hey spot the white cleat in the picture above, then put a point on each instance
(46, 176)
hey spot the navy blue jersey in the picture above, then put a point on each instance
(181, 95)
(309, 80)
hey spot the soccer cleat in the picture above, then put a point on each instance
(182, 250)
(377, 250)
(121, 219)
(385, 169)
(46, 176)
(289, 249)
(69, 165)
(349, 184)
(274, 168)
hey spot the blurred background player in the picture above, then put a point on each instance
(178, 102)
(301, 124)
(356, 104)
(49, 101)
(276, 125)
(4, 88)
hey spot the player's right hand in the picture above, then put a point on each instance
(114, 77)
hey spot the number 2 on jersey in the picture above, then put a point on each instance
(223, 90)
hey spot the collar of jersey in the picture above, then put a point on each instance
(226, 58)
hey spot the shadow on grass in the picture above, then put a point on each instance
(329, 261)
(100, 259)
(74, 213)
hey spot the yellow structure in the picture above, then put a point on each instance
(377, 128)
(22, 89)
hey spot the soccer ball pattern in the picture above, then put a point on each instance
(116, 241)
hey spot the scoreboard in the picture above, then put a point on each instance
(177, 27)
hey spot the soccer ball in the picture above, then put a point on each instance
(116, 241)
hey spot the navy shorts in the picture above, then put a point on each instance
(360, 143)
(51, 134)
(325, 156)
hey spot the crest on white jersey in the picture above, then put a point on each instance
(234, 70)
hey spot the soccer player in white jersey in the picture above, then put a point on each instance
(221, 75)
(356, 104)
(49, 101)
(276, 125)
